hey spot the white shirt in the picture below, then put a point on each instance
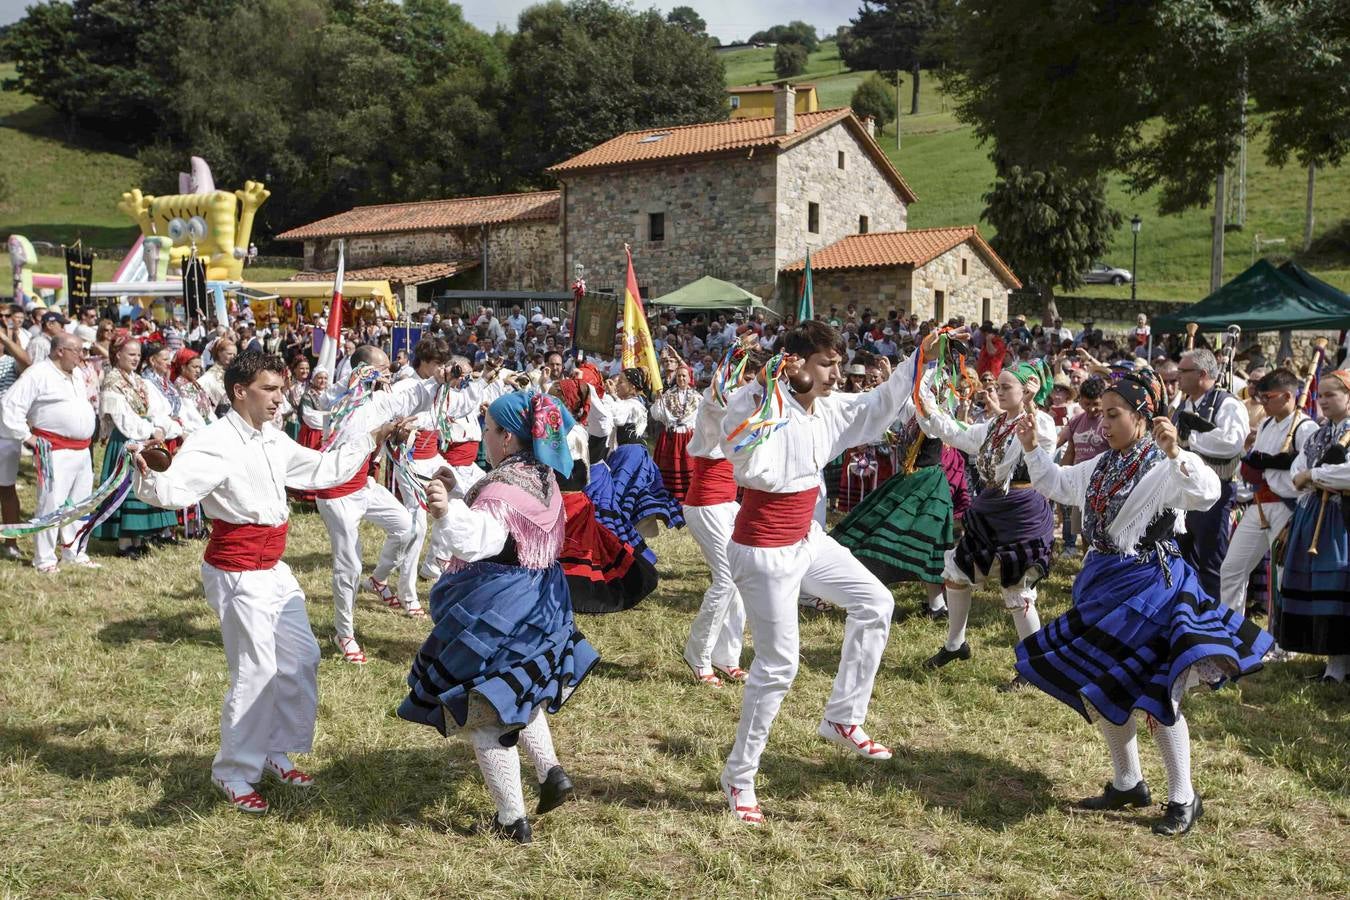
(707, 439)
(1270, 437)
(135, 427)
(1229, 436)
(1335, 477)
(212, 382)
(970, 438)
(45, 397)
(239, 473)
(381, 406)
(792, 458)
(39, 348)
(662, 412)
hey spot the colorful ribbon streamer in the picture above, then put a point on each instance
(400, 456)
(769, 417)
(93, 510)
(42, 461)
(359, 386)
(729, 373)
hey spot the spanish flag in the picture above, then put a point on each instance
(638, 351)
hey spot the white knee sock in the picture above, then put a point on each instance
(958, 614)
(1026, 620)
(537, 741)
(935, 599)
(1174, 743)
(501, 773)
(1123, 744)
(1337, 667)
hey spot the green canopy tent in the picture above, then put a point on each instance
(1265, 298)
(708, 293)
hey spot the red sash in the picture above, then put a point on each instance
(774, 520)
(1265, 495)
(245, 548)
(462, 453)
(712, 482)
(426, 445)
(61, 442)
(351, 485)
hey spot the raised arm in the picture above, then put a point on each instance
(199, 467)
(312, 470)
(865, 417)
(938, 424)
(1061, 484)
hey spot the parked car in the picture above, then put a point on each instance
(1101, 273)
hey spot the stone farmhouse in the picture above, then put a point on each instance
(742, 200)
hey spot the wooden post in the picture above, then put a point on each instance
(1216, 248)
(1308, 211)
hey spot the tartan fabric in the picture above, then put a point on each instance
(899, 532)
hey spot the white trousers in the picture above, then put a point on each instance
(273, 700)
(717, 632)
(1247, 545)
(465, 478)
(769, 580)
(10, 451)
(72, 479)
(342, 517)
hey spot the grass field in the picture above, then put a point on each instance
(110, 685)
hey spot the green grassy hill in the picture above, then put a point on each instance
(941, 160)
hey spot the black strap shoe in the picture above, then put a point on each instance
(944, 656)
(517, 831)
(1179, 817)
(1116, 799)
(555, 791)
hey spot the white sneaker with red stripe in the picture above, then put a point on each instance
(351, 651)
(278, 765)
(242, 796)
(743, 804)
(853, 738)
(382, 590)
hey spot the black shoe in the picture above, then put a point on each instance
(518, 831)
(1114, 799)
(1017, 683)
(166, 541)
(944, 656)
(937, 615)
(134, 552)
(1179, 817)
(555, 791)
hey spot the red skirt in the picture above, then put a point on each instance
(603, 573)
(672, 458)
(865, 470)
(311, 438)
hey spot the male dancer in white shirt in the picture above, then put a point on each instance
(778, 549)
(50, 402)
(238, 468)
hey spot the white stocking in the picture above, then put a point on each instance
(1026, 621)
(501, 773)
(1174, 743)
(958, 614)
(1337, 667)
(537, 740)
(935, 600)
(1123, 744)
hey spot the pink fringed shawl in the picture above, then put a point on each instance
(525, 498)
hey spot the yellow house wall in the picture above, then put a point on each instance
(760, 104)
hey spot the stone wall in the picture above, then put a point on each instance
(879, 290)
(719, 221)
(521, 255)
(1098, 309)
(809, 173)
(977, 294)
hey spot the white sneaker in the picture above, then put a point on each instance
(84, 563)
(743, 804)
(854, 739)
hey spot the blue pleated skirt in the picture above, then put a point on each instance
(600, 488)
(502, 635)
(639, 488)
(1312, 611)
(1137, 639)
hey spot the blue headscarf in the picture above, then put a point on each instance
(540, 422)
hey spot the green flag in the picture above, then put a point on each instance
(806, 306)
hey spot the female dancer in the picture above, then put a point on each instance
(633, 487)
(1008, 522)
(504, 647)
(186, 369)
(604, 573)
(1142, 630)
(1312, 613)
(676, 409)
(131, 410)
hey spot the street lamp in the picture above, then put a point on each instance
(1135, 224)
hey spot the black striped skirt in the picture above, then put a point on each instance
(1016, 528)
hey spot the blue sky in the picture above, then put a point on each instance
(727, 19)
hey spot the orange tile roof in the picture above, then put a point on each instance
(396, 274)
(431, 215)
(658, 145)
(884, 249)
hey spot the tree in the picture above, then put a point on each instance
(1050, 226)
(872, 97)
(896, 36)
(794, 32)
(687, 17)
(585, 71)
(789, 60)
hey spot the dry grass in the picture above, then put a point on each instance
(110, 684)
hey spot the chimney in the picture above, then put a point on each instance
(784, 109)
(870, 124)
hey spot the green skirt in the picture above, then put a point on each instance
(900, 531)
(133, 518)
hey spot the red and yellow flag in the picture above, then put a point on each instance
(638, 351)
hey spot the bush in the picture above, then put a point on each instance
(875, 97)
(789, 60)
